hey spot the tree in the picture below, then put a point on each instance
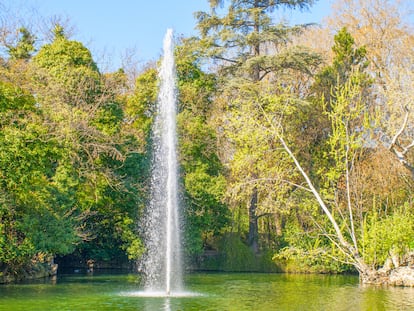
(68, 66)
(33, 219)
(347, 61)
(250, 45)
(85, 112)
(24, 47)
(383, 27)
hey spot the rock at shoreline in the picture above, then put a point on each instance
(37, 271)
(402, 276)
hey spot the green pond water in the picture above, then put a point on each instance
(206, 292)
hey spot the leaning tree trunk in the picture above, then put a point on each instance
(397, 275)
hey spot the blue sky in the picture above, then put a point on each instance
(113, 27)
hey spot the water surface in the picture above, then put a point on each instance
(206, 292)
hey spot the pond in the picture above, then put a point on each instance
(215, 291)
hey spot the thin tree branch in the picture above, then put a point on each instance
(401, 130)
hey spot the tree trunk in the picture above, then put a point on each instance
(253, 238)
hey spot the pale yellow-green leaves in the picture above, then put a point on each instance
(256, 159)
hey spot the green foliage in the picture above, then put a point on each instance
(348, 126)
(89, 113)
(204, 213)
(348, 61)
(15, 249)
(29, 195)
(257, 165)
(347, 56)
(203, 180)
(257, 67)
(14, 100)
(64, 186)
(308, 252)
(236, 256)
(109, 118)
(342, 89)
(386, 235)
(141, 105)
(59, 32)
(24, 163)
(233, 254)
(360, 230)
(49, 232)
(75, 159)
(309, 260)
(64, 54)
(67, 69)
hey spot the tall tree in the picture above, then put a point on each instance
(86, 114)
(249, 41)
(250, 45)
(347, 61)
(24, 47)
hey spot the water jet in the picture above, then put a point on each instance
(162, 261)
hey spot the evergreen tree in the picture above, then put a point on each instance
(247, 39)
(348, 60)
(24, 47)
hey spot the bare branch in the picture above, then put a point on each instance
(401, 130)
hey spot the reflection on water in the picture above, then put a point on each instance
(389, 298)
(167, 306)
(163, 304)
(154, 301)
(207, 292)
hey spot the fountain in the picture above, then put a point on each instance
(162, 262)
